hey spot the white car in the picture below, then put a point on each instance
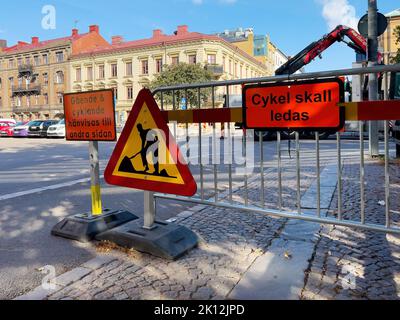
(57, 130)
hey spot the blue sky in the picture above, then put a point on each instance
(292, 24)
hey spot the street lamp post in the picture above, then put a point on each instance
(373, 78)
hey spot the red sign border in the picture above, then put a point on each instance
(89, 140)
(342, 110)
(188, 189)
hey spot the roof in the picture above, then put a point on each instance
(162, 40)
(394, 13)
(24, 46)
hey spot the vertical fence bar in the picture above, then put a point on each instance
(230, 150)
(262, 171)
(362, 173)
(340, 184)
(215, 151)
(298, 172)
(200, 150)
(318, 174)
(387, 176)
(187, 128)
(279, 153)
(246, 186)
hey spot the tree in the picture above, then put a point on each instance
(396, 33)
(183, 73)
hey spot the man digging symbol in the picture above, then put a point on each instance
(149, 147)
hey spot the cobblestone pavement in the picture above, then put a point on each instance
(230, 243)
(354, 264)
(346, 263)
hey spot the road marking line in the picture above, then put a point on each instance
(37, 190)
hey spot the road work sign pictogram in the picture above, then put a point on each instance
(146, 156)
(303, 105)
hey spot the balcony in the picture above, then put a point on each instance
(25, 69)
(216, 69)
(27, 90)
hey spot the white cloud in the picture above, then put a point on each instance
(336, 12)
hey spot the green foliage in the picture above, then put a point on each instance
(396, 33)
(183, 73)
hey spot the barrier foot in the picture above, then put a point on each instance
(165, 240)
(85, 227)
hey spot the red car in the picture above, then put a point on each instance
(6, 128)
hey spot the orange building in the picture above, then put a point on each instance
(35, 75)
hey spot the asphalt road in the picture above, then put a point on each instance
(27, 218)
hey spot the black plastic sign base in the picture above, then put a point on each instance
(84, 228)
(166, 240)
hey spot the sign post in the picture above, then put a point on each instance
(90, 116)
(148, 158)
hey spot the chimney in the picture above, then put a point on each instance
(157, 33)
(3, 44)
(94, 28)
(117, 40)
(182, 30)
(35, 40)
(75, 32)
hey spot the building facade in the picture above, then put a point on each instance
(128, 66)
(387, 41)
(34, 76)
(258, 46)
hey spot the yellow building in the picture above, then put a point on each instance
(128, 66)
(258, 46)
(35, 75)
(387, 40)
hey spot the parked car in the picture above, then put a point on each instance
(6, 128)
(21, 129)
(57, 130)
(39, 128)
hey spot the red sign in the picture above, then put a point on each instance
(297, 105)
(90, 116)
(146, 156)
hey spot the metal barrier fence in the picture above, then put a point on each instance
(218, 181)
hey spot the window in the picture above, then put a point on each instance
(236, 69)
(192, 59)
(230, 66)
(130, 92)
(114, 70)
(46, 98)
(128, 69)
(115, 89)
(175, 60)
(27, 60)
(28, 101)
(45, 58)
(224, 63)
(59, 77)
(19, 62)
(101, 72)
(11, 82)
(78, 75)
(11, 63)
(59, 56)
(90, 73)
(145, 66)
(241, 71)
(19, 101)
(1, 101)
(60, 98)
(1, 85)
(36, 60)
(19, 82)
(45, 79)
(159, 65)
(211, 59)
(36, 100)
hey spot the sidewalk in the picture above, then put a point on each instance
(234, 245)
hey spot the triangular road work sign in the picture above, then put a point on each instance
(146, 156)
